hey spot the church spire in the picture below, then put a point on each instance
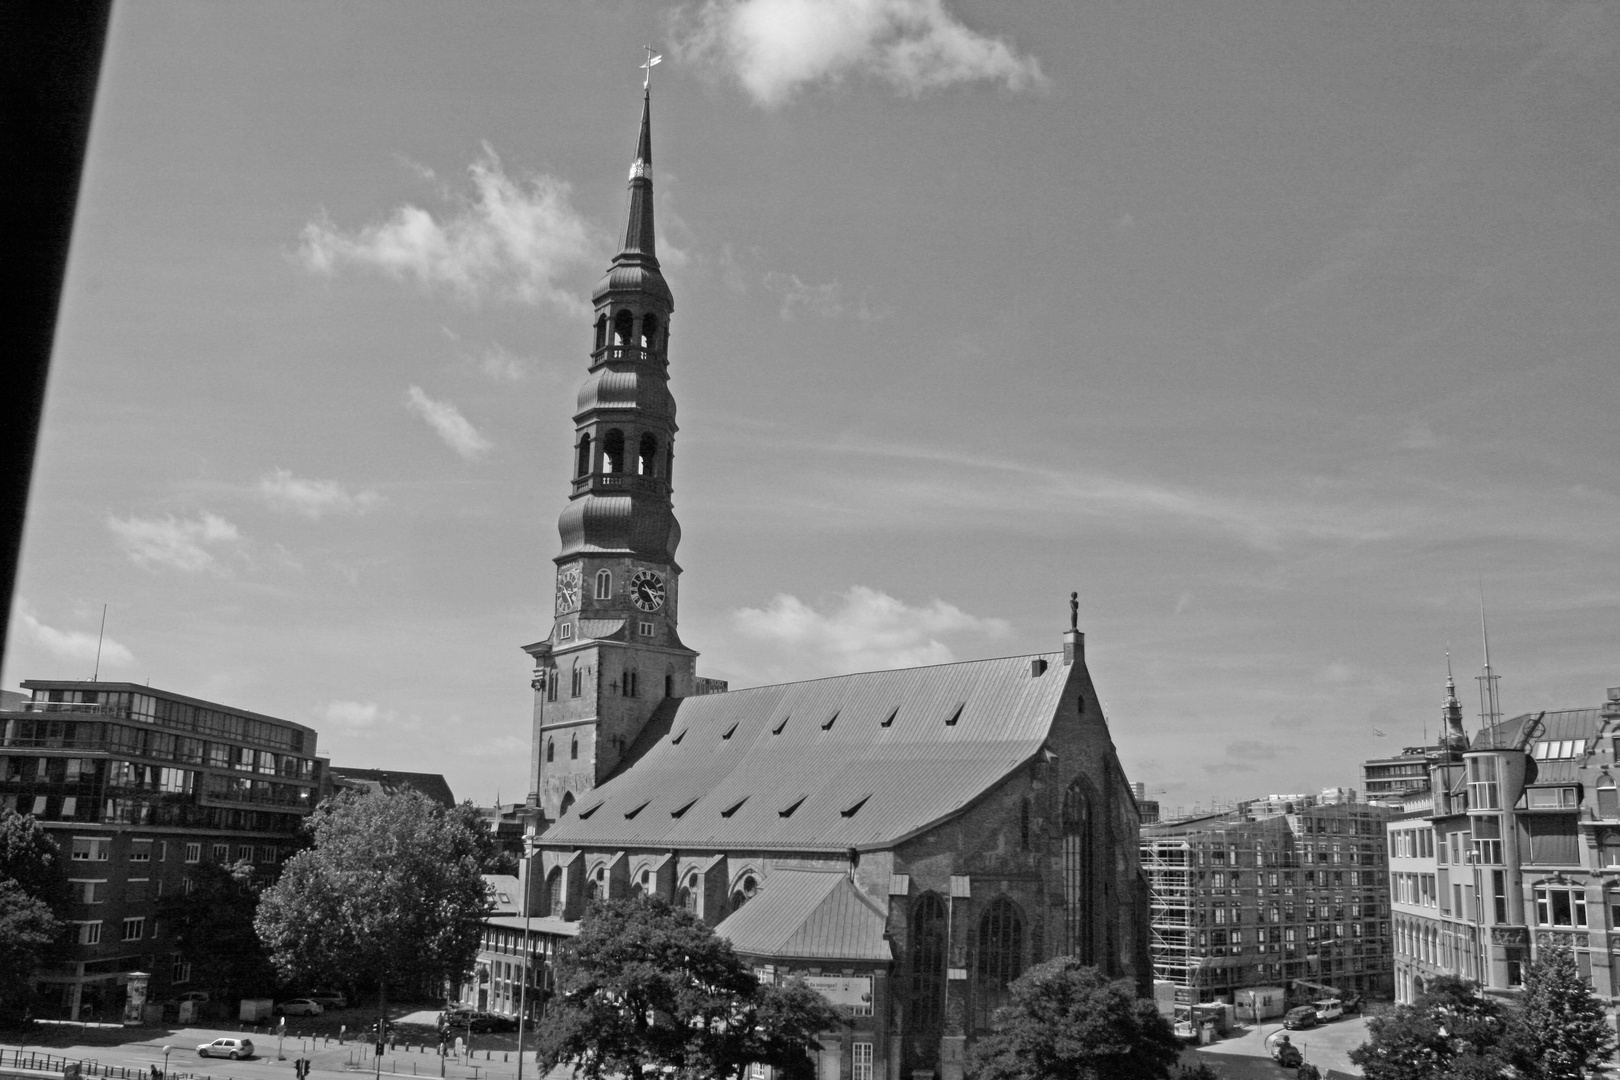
(638, 230)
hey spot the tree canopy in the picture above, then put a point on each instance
(1067, 1022)
(1561, 1032)
(647, 985)
(1450, 1031)
(33, 888)
(212, 922)
(389, 892)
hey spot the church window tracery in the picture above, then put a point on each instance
(925, 988)
(1079, 872)
(744, 891)
(554, 889)
(1000, 959)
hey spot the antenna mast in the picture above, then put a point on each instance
(1490, 705)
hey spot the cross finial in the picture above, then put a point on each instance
(653, 61)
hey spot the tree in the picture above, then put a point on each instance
(647, 985)
(213, 926)
(390, 892)
(1449, 1032)
(1561, 1032)
(493, 857)
(1067, 1022)
(33, 887)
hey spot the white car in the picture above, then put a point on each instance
(235, 1049)
(299, 1007)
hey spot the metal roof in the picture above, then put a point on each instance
(854, 761)
(1557, 725)
(807, 914)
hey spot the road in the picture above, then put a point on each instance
(1327, 1046)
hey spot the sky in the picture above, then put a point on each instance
(1276, 330)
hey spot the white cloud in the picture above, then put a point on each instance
(356, 715)
(511, 238)
(176, 543)
(68, 644)
(776, 47)
(313, 498)
(825, 300)
(504, 366)
(862, 630)
(452, 427)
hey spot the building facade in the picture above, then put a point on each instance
(907, 841)
(1514, 848)
(137, 785)
(1275, 893)
(1386, 781)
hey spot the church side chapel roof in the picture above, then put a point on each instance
(859, 761)
(808, 915)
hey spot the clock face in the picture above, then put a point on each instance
(567, 589)
(647, 590)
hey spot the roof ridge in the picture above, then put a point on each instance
(911, 667)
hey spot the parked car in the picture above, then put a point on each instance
(1303, 1016)
(329, 999)
(1328, 1009)
(235, 1049)
(456, 1015)
(492, 1022)
(199, 996)
(299, 1007)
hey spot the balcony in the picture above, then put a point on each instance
(622, 354)
(621, 482)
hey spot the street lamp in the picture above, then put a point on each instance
(523, 987)
(167, 1050)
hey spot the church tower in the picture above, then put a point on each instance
(613, 654)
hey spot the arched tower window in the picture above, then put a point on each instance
(649, 333)
(1079, 873)
(1608, 799)
(551, 749)
(575, 684)
(669, 684)
(689, 893)
(551, 686)
(622, 324)
(744, 891)
(573, 748)
(554, 892)
(1000, 959)
(604, 585)
(601, 332)
(566, 805)
(613, 451)
(582, 460)
(925, 978)
(1023, 824)
(632, 683)
(647, 458)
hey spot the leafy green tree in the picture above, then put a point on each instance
(647, 985)
(1561, 1032)
(1067, 1022)
(1449, 1033)
(213, 926)
(493, 857)
(389, 893)
(33, 888)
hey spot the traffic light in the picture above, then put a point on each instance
(378, 1048)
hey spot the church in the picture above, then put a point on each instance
(908, 841)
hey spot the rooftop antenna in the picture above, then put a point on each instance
(1490, 707)
(96, 676)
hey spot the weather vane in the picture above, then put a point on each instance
(653, 61)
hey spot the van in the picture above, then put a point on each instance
(1328, 1009)
(1302, 1016)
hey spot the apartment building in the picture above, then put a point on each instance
(1275, 893)
(138, 785)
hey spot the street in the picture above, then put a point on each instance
(1327, 1046)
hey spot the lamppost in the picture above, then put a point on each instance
(523, 987)
(167, 1050)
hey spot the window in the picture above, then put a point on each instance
(1552, 798)
(90, 849)
(1488, 839)
(222, 852)
(744, 892)
(87, 892)
(632, 683)
(193, 853)
(613, 452)
(604, 584)
(576, 683)
(1482, 789)
(573, 748)
(645, 629)
(1078, 873)
(1499, 892)
(244, 853)
(862, 1061)
(1000, 958)
(926, 978)
(647, 455)
(554, 893)
(1608, 799)
(180, 969)
(89, 933)
(1557, 906)
(140, 852)
(134, 929)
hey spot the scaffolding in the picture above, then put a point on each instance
(1171, 926)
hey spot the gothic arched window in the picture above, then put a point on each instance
(1000, 959)
(566, 805)
(604, 584)
(582, 462)
(573, 748)
(632, 683)
(689, 893)
(926, 970)
(1079, 873)
(575, 684)
(744, 891)
(613, 451)
(647, 455)
(622, 323)
(551, 749)
(554, 893)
